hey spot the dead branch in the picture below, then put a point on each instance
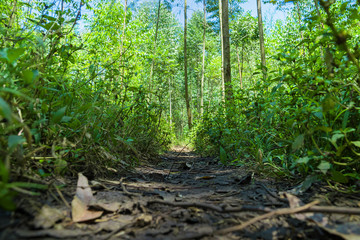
(281, 211)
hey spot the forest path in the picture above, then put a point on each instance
(184, 196)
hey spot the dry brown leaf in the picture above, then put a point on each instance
(48, 216)
(83, 190)
(348, 231)
(80, 212)
(110, 207)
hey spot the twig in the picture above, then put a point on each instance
(212, 207)
(127, 192)
(282, 211)
(323, 209)
(62, 197)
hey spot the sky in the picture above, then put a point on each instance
(269, 11)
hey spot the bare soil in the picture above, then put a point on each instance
(184, 196)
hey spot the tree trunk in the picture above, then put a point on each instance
(203, 66)
(225, 39)
(170, 108)
(239, 66)
(122, 46)
(261, 38)
(154, 49)
(187, 100)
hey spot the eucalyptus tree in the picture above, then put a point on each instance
(261, 38)
(243, 35)
(187, 98)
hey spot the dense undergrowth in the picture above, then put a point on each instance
(63, 108)
(303, 118)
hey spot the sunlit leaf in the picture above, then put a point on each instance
(324, 166)
(30, 76)
(356, 143)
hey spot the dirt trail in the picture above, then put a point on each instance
(183, 197)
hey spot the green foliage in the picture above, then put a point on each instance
(72, 97)
(304, 118)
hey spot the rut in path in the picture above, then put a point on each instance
(182, 197)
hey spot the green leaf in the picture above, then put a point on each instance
(58, 115)
(339, 177)
(328, 103)
(336, 136)
(223, 156)
(51, 26)
(14, 53)
(303, 160)
(60, 165)
(324, 129)
(356, 143)
(5, 110)
(298, 142)
(14, 141)
(49, 18)
(324, 166)
(6, 198)
(30, 76)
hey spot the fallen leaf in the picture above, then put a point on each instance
(83, 190)
(110, 207)
(80, 212)
(48, 216)
(348, 231)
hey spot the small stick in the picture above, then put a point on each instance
(282, 211)
(62, 197)
(126, 191)
(212, 207)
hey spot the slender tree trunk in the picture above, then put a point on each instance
(222, 55)
(203, 66)
(242, 63)
(225, 39)
(170, 107)
(187, 99)
(239, 66)
(122, 46)
(261, 38)
(154, 49)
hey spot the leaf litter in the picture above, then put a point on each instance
(203, 200)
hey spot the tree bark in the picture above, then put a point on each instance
(187, 100)
(225, 39)
(261, 38)
(203, 65)
(239, 66)
(122, 46)
(170, 107)
(154, 49)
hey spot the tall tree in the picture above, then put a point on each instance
(187, 99)
(203, 65)
(154, 49)
(261, 38)
(225, 47)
